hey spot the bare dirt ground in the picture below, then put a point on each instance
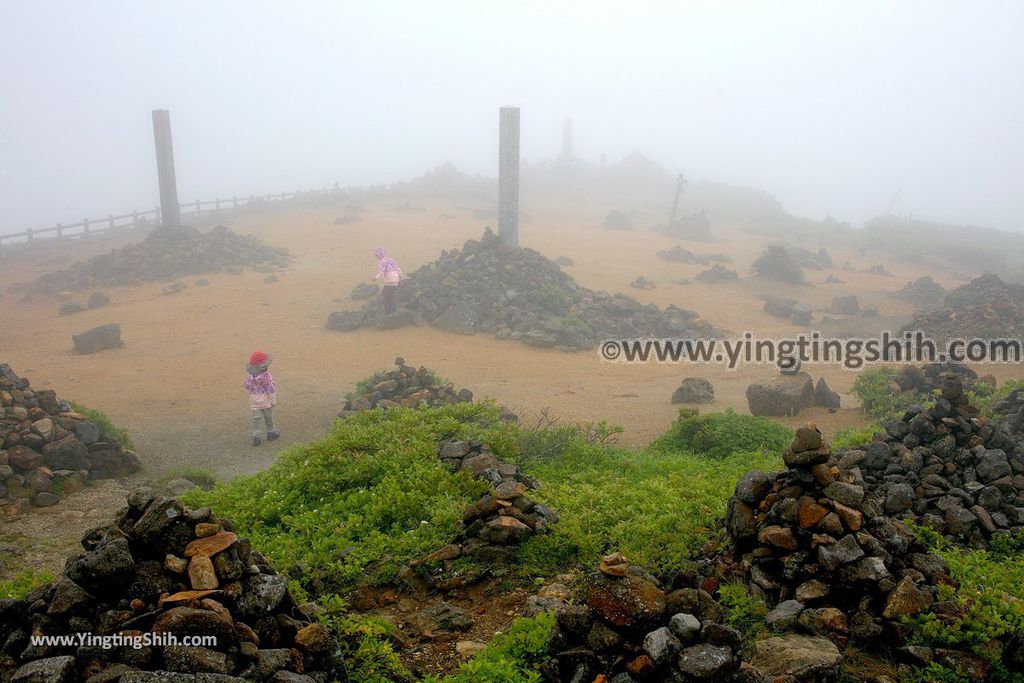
(177, 382)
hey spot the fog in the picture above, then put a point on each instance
(832, 107)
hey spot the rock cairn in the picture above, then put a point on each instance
(517, 293)
(923, 292)
(162, 255)
(406, 387)
(717, 274)
(816, 544)
(947, 468)
(623, 628)
(824, 544)
(47, 450)
(503, 517)
(927, 378)
(984, 307)
(162, 571)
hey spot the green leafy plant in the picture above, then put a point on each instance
(744, 610)
(512, 657)
(366, 643)
(717, 435)
(848, 437)
(24, 583)
(878, 397)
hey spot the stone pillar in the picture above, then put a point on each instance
(567, 140)
(508, 175)
(170, 210)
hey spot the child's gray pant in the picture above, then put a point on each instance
(259, 416)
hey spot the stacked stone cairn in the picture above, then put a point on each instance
(164, 572)
(519, 294)
(48, 450)
(501, 519)
(948, 468)
(818, 543)
(622, 627)
(405, 387)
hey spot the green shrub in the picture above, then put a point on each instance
(355, 506)
(107, 428)
(24, 583)
(878, 398)
(717, 435)
(365, 641)
(744, 610)
(513, 657)
(847, 437)
(203, 478)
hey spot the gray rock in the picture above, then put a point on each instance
(67, 454)
(752, 486)
(98, 299)
(49, 670)
(460, 318)
(850, 495)
(263, 593)
(845, 305)
(685, 627)
(992, 465)
(784, 615)
(98, 339)
(804, 658)
(403, 317)
(705, 662)
(899, 498)
(781, 396)
(824, 397)
(661, 645)
(845, 551)
(694, 390)
(365, 290)
(87, 432)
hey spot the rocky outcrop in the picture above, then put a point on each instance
(717, 274)
(781, 396)
(924, 292)
(984, 307)
(47, 450)
(679, 255)
(98, 339)
(516, 293)
(164, 572)
(694, 390)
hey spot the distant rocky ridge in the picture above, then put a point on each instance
(517, 293)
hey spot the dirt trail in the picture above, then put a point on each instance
(176, 384)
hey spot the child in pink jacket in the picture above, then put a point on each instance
(262, 397)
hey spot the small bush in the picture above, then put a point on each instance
(775, 262)
(878, 397)
(107, 428)
(513, 657)
(717, 435)
(366, 645)
(744, 610)
(848, 437)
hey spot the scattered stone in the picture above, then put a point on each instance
(98, 339)
(694, 390)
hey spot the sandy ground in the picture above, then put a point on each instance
(176, 384)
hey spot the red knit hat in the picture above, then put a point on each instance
(258, 358)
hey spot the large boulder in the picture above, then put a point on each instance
(847, 304)
(694, 390)
(799, 658)
(781, 396)
(98, 339)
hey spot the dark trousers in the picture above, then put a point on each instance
(388, 292)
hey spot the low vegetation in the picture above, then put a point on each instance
(23, 583)
(718, 435)
(107, 428)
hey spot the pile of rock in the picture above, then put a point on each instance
(928, 378)
(406, 387)
(503, 517)
(947, 468)
(623, 628)
(776, 263)
(679, 255)
(163, 572)
(819, 543)
(784, 307)
(717, 274)
(165, 254)
(695, 227)
(47, 450)
(924, 292)
(984, 307)
(97, 299)
(617, 220)
(786, 395)
(815, 542)
(517, 293)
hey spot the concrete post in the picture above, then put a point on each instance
(170, 211)
(508, 175)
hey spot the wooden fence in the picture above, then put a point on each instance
(139, 219)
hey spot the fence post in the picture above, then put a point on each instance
(110, 218)
(60, 231)
(85, 227)
(508, 175)
(135, 220)
(165, 168)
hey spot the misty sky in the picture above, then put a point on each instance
(830, 106)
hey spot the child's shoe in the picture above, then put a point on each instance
(273, 435)
(256, 441)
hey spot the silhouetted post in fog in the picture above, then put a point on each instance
(170, 211)
(567, 140)
(508, 175)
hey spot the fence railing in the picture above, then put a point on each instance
(140, 219)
